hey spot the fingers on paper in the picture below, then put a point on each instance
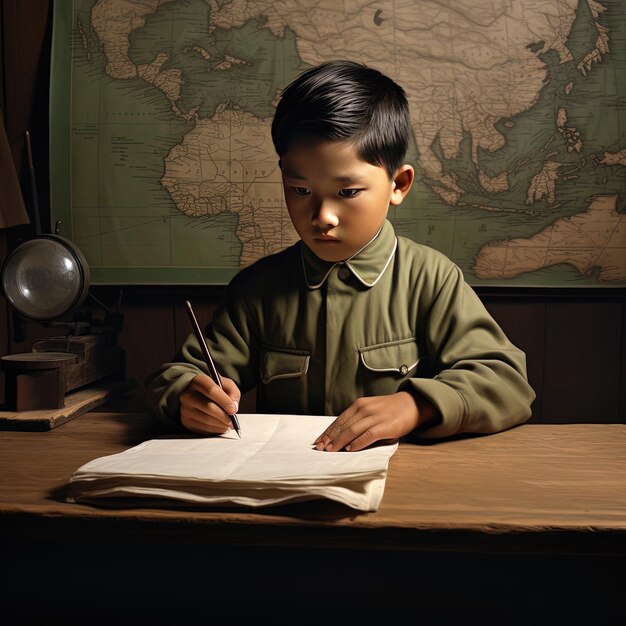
(368, 420)
(356, 428)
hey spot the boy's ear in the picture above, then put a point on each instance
(401, 183)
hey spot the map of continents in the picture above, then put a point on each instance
(517, 111)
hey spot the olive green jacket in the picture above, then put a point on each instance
(313, 336)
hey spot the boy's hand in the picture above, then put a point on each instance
(373, 419)
(205, 408)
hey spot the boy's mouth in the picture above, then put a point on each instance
(324, 239)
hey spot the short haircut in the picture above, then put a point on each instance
(346, 101)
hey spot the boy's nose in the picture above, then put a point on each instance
(325, 217)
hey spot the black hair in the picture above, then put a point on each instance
(346, 101)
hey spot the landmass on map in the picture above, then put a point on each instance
(226, 164)
(592, 241)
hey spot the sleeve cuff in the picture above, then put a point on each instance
(448, 402)
(165, 403)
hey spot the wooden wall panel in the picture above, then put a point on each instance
(2, 46)
(26, 37)
(622, 375)
(25, 40)
(524, 324)
(582, 361)
(4, 319)
(575, 350)
(148, 339)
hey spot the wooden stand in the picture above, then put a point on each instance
(61, 378)
(36, 380)
(95, 358)
(76, 403)
(40, 379)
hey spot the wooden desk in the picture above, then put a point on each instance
(549, 498)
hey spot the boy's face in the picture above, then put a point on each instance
(338, 202)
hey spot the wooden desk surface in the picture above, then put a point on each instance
(544, 488)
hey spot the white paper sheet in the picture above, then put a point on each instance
(273, 462)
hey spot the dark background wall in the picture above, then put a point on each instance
(575, 339)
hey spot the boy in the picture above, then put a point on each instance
(351, 320)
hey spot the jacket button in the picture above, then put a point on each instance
(344, 273)
(403, 369)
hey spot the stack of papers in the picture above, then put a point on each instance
(273, 462)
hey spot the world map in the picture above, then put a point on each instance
(162, 165)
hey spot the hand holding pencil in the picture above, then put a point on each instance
(209, 404)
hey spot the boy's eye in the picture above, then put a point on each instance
(348, 193)
(301, 191)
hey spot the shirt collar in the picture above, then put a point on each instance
(367, 265)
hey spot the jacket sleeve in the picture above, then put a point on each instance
(231, 338)
(480, 383)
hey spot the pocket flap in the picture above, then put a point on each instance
(398, 356)
(276, 364)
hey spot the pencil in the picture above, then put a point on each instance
(208, 359)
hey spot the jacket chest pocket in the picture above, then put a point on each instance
(386, 365)
(283, 376)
